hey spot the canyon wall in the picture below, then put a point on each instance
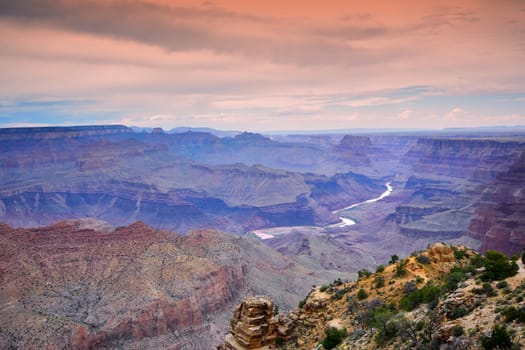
(478, 159)
(110, 173)
(67, 285)
(499, 222)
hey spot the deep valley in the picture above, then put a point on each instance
(127, 238)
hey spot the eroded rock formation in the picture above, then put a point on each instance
(84, 285)
(254, 326)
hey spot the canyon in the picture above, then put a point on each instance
(83, 284)
(120, 237)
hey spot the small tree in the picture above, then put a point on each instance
(362, 294)
(423, 259)
(393, 259)
(401, 268)
(333, 337)
(363, 273)
(499, 339)
(498, 267)
(379, 281)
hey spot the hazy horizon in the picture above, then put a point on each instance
(263, 66)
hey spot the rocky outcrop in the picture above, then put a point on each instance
(499, 222)
(254, 326)
(425, 300)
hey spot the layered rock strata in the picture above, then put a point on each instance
(254, 326)
(499, 222)
(479, 159)
(85, 285)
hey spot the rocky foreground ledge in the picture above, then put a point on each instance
(447, 297)
(254, 326)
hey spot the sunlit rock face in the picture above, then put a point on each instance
(83, 284)
(85, 288)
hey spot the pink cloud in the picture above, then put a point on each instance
(261, 62)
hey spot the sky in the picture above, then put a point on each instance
(263, 65)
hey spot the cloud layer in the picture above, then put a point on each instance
(263, 65)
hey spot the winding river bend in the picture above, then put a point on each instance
(348, 221)
(345, 221)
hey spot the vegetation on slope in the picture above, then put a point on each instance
(445, 297)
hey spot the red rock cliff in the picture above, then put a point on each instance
(64, 286)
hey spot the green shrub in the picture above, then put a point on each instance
(502, 284)
(477, 261)
(340, 293)
(301, 303)
(498, 267)
(380, 319)
(393, 259)
(324, 287)
(380, 268)
(453, 278)
(409, 287)
(333, 337)
(486, 289)
(423, 259)
(429, 294)
(363, 273)
(457, 331)
(458, 312)
(401, 268)
(512, 314)
(523, 257)
(459, 253)
(499, 339)
(379, 281)
(362, 294)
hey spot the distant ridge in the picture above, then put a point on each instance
(401, 131)
(184, 129)
(54, 132)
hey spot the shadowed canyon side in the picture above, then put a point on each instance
(135, 286)
(122, 177)
(244, 182)
(499, 222)
(446, 177)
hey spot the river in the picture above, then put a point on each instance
(345, 221)
(348, 221)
